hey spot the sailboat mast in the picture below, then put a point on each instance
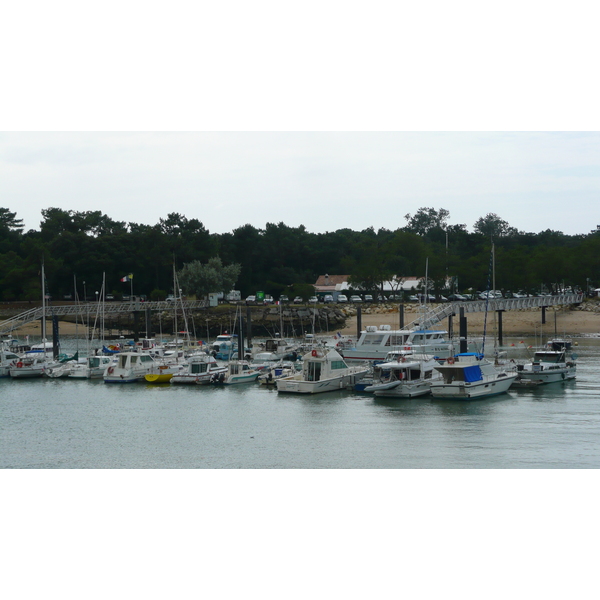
(43, 307)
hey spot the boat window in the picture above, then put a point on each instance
(396, 340)
(134, 359)
(94, 361)
(373, 340)
(234, 369)
(122, 362)
(338, 364)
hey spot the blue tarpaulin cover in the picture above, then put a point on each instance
(472, 373)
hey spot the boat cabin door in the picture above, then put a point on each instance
(314, 371)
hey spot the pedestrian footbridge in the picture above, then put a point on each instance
(437, 314)
(92, 310)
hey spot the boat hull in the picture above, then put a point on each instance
(295, 385)
(412, 389)
(472, 391)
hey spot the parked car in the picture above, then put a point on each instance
(283, 298)
(493, 294)
(298, 300)
(313, 299)
(342, 299)
(356, 299)
(169, 298)
(368, 298)
(251, 300)
(456, 298)
(268, 299)
(327, 298)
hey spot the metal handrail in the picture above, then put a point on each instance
(109, 308)
(441, 312)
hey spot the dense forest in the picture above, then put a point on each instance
(79, 247)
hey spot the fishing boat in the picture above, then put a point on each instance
(130, 367)
(406, 377)
(323, 370)
(200, 369)
(547, 366)
(237, 371)
(470, 376)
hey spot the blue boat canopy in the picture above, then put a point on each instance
(472, 373)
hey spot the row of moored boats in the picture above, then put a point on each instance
(401, 364)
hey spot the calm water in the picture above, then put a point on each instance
(87, 424)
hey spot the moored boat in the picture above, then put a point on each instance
(375, 343)
(130, 367)
(200, 369)
(237, 371)
(323, 370)
(470, 376)
(547, 366)
(407, 377)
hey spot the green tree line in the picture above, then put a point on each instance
(81, 246)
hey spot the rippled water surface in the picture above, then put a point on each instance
(87, 424)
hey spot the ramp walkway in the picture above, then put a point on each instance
(442, 311)
(91, 309)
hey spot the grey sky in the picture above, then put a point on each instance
(325, 181)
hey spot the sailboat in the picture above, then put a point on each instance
(36, 360)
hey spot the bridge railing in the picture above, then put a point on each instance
(442, 311)
(109, 308)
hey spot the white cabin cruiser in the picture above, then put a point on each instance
(200, 369)
(547, 366)
(93, 368)
(470, 376)
(375, 343)
(323, 370)
(130, 367)
(407, 377)
(237, 371)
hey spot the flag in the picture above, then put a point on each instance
(130, 276)
(124, 279)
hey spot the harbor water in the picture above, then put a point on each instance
(65, 424)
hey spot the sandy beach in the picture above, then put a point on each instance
(514, 323)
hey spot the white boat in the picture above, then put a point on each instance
(375, 343)
(7, 359)
(273, 373)
(407, 377)
(200, 369)
(470, 376)
(93, 368)
(29, 365)
(547, 366)
(323, 370)
(237, 371)
(130, 367)
(224, 347)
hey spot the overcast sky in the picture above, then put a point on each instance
(325, 181)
